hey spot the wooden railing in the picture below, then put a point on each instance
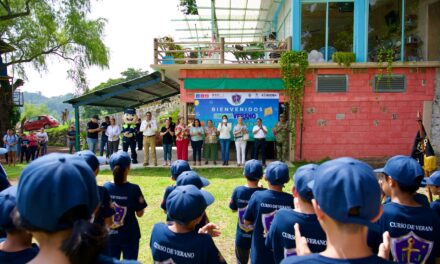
(219, 52)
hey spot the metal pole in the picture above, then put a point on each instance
(77, 128)
(222, 50)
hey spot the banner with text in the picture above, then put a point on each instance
(250, 106)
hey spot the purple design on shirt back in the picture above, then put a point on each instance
(411, 248)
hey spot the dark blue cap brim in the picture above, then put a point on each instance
(3, 151)
(380, 170)
(205, 181)
(102, 160)
(209, 199)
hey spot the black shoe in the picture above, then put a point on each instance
(227, 163)
(206, 162)
(224, 163)
(215, 162)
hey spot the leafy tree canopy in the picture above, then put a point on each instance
(39, 30)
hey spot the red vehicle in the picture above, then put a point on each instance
(37, 122)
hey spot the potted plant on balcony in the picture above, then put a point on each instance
(166, 45)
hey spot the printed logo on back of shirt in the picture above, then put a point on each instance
(245, 228)
(119, 216)
(267, 219)
(289, 252)
(411, 248)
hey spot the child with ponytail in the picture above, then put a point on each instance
(128, 202)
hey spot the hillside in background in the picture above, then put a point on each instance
(54, 104)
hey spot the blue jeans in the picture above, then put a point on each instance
(104, 140)
(224, 145)
(91, 142)
(167, 152)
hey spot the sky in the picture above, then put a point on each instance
(131, 27)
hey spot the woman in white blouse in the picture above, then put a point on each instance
(113, 131)
(224, 130)
(240, 134)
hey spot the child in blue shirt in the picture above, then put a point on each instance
(18, 247)
(433, 183)
(179, 242)
(414, 229)
(346, 201)
(129, 203)
(253, 172)
(281, 237)
(262, 208)
(177, 167)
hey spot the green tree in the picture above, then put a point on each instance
(39, 31)
(31, 110)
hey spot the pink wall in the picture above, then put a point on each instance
(369, 125)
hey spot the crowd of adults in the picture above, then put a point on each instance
(22, 147)
(205, 137)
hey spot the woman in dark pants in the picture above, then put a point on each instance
(197, 133)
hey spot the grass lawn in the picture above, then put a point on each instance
(153, 183)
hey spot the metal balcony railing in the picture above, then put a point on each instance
(170, 52)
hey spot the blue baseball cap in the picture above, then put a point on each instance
(434, 179)
(186, 203)
(253, 170)
(91, 159)
(344, 184)
(8, 201)
(179, 166)
(121, 159)
(130, 111)
(277, 173)
(51, 186)
(302, 178)
(405, 170)
(191, 177)
(3, 151)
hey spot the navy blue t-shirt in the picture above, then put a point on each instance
(435, 205)
(414, 232)
(239, 202)
(316, 258)
(19, 257)
(105, 206)
(261, 211)
(182, 248)
(281, 236)
(127, 199)
(418, 197)
(4, 183)
(168, 190)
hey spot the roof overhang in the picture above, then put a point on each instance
(130, 94)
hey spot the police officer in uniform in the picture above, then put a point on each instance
(129, 132)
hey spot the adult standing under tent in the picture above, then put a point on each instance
(139, 135)
(113, 132)
(197, 133)
(224, 129)
(104, 137)
(129, 133)
(260, 132)
(167, 134)
(92, 133)
(149, 128)
(281, 132)
(182, 139)
(240, 136)
(210, 143)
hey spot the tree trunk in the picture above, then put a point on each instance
(5, 109)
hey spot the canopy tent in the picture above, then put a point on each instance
(236, 21)
(130, 94)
